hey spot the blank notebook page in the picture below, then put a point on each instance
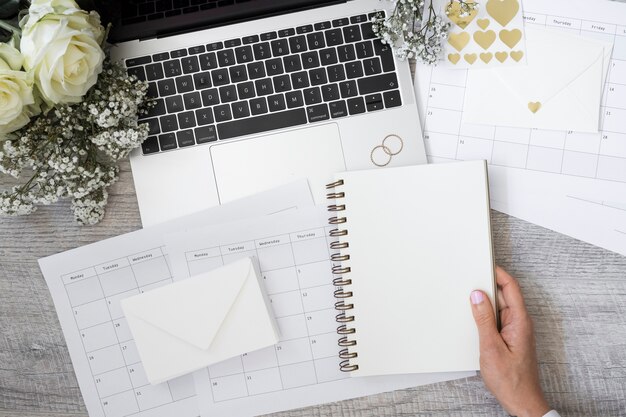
(420, 242)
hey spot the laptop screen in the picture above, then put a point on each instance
(144, 19)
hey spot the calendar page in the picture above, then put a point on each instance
(303, 368)
(87, 285)
(538, 175)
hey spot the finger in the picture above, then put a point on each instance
(485, 321)
(511, 292)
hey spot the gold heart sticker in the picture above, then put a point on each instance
(485, 39)
(501, 56)
(454, 14)
(459, 40)
(534, 106)
(483, 23)
(511, 37)
(486, 57)
(517, 55)
(454, 58)
(503, 11)
(470, 58)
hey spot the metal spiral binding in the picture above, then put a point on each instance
(343, 305)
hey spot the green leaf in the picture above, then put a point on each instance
(9, 8)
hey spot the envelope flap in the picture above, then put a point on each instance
(193, 310)
(555, 60)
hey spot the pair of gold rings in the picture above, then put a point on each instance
(383, 154)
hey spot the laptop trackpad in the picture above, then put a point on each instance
(250, 166)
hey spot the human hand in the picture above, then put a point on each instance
(508, 359)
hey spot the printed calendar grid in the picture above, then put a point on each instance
(120, 381)
(599, 156)
(308, 357)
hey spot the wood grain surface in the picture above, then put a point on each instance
(576, 294)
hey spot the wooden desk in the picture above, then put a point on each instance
(576, 294)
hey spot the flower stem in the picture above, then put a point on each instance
(10, 28)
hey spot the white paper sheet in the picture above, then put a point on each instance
(87, 285)
(303, 369)
(570, 182)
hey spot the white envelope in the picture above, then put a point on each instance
(205, 319)
(565, 75)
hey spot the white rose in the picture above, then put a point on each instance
(61, 47)
(17, 104)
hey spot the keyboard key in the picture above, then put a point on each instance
(166, 87)
(341, 22)
(322, 25)
(172, 68)
(158, 109)
(310, 60)
(169, 123)
(369, 85)
(240, 109)
(192, 101)
(338, 109)
(184, 84)
(208, 61)
(210, 97)
(372, 66)
(316, 40)
(138, 72)
(280, 47)
(220, 77)
(244, 54)
(168, 141)
(286, 33)
(356, 105)
(190, 64)
(269, 36)
(185, 138)
(304, 29)
(153, 90)
(392, 99)
(274, 67)
(262, 51)
(238, 74)
(312, 96)
(179, 53)
(153, 126)
(232, 43)
(133, 62)
(352, 33)
(154, 71)
(223, 113)
(202, 80)
(294, 99)
(174, 104)
(374, 102)
(368, 31)
(358, 19)
(318, 76)
(346, 53)
(163, 56)
(150, 145)
(258, 106)
(228, 93)
(292, 63)
(282, 83)
(276, 102)
(364, 49)
(348, 89)
(205, 134)
(204, 116)
(354, 69)
(333, 37)
(336, 73)
(380, 14)
(318, 113)
(186, 120)
(246, 90)
(195, 50)
(262, 123)
(300, 80)
(256, 70)
(330, 92)
(328, 56)
(247, 40)
(386, 55)
(264, 87)
(226, 57)
(298, 44)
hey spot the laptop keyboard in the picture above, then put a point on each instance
(259, 83)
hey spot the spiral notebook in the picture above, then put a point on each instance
(412, 244)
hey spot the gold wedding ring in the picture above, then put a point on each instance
(382, 155)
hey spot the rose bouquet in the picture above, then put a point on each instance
(67, 113)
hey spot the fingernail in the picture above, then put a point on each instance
(477, 297)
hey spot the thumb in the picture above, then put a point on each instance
(485, 320)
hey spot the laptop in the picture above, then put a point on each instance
(254, 94)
